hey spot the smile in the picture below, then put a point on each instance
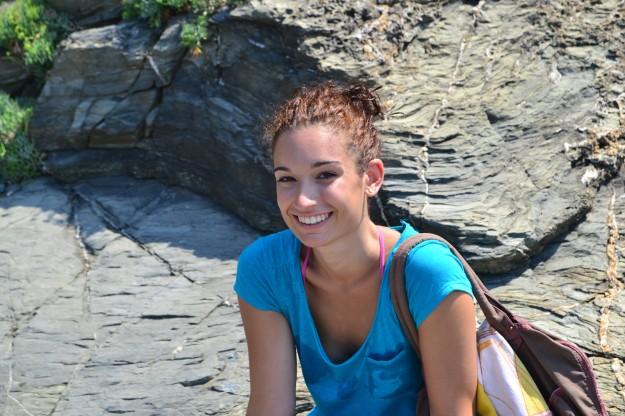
(314, 219)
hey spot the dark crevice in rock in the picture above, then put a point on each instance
(601, 354)
(118, 226)
(97, 125)
(82, 361)
(105, 295)
(83, 272)
(86, 250)
(196, 382)
(165, 316)
(87, 254)
(113, 324)
(223, 303)
(379, 209)
(557, 313)
(148, 209)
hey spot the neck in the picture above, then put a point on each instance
(350, 260)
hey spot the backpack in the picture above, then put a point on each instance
(559, 368)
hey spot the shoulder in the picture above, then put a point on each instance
(433, 256)
(261, 270)
(432, 273)
(270, 249)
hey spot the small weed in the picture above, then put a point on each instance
(156, 12)
(18, 157)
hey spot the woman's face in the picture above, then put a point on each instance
(320, 191)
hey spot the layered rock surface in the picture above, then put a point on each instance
(505, 134)
(116, 298)
(504, 118)
(89, 12)
(13, 74)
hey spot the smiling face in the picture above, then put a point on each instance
(321, 193)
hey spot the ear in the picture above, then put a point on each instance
(374, 176)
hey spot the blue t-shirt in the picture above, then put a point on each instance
(384, 375)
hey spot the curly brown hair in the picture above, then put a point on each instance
(347, 108)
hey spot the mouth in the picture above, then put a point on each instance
(313, 219)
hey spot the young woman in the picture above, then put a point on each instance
(321, 287)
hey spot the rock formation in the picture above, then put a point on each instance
(89, 12)
(125, 305)
(505, 133)
(488, 107)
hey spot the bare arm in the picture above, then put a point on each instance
(272, 362)
(449, 356)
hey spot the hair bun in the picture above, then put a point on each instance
(350, 109)
(366, 99)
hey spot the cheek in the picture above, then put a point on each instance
(283, 196)
(348, 194)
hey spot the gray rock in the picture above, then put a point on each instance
(99, 85)
(39, 263)
(140, 323)
(574, 289)
(487, 135)
(124, 124)
(13, 75)
(167, 53)
(128, 299)
(89, 12)
(501, 125)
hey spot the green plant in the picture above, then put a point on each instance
(31, 32)
(18, 157)
(155, 12)
(193, 34)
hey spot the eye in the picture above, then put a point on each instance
(285, 179)
(327, 175)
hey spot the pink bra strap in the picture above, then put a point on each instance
(382, 257)
(305, 263)
(382, 252)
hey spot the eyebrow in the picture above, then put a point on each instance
(314, 165)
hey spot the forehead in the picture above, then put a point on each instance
(310, 144)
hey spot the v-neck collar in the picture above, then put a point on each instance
(300, 284)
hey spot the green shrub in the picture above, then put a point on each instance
(193, 34)
(18, 157)
(31, 32)
(155, 12)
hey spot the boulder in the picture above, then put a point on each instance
(89, 12)
(99, 91)
(128, 300)
(13, 74)
(574, 289)
(502, 121)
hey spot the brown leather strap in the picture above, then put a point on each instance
(496, 314)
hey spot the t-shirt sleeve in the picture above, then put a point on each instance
(253, 280)
(432, 273)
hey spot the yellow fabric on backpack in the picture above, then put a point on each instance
(484, 405)
(534, 402)
(505, 387)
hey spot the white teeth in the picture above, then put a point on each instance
(315, 219)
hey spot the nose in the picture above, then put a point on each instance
(307, 195)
